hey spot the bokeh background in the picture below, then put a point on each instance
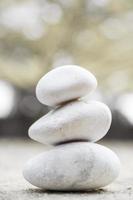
(38, 35)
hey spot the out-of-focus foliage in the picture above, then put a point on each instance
(36, 35)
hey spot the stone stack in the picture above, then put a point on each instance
(74, 162)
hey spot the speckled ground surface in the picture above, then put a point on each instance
(14, 154)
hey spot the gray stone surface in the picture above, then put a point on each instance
(14, 154)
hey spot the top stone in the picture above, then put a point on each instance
(65, 83)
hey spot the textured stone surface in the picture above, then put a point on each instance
(14, 154)
(76, 120)
(73, 166)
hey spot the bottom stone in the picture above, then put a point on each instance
(73, 166)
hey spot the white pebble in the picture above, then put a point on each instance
(64, 84)
(73, 166)
(77, 120)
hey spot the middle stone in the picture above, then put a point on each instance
(76, 120)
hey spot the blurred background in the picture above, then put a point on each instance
(38, 35)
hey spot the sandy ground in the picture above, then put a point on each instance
(14, 154)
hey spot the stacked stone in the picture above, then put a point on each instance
(71, 127)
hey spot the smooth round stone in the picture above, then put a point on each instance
(64, 84)
(77, 120)
(73, 166)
